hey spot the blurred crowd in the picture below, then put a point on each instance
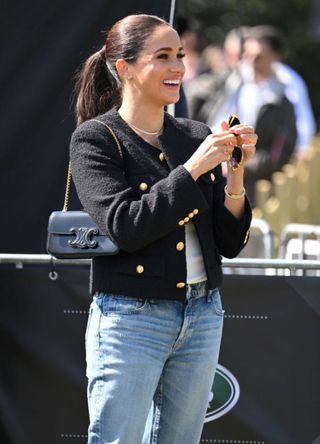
(247, 76)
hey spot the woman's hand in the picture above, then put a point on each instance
(235, 192)
(246, 139)
(216, 148)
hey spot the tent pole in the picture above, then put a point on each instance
(171, 107)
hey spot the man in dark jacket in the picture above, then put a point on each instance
(255, 93)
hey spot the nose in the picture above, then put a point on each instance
(177, 66)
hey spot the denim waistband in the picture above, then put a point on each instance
(197, 290)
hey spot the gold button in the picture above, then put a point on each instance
(139, 269)
(181, 285)
(143, 186)
(180, 246)
(190, 215)
(161, 157)
(186, 219)
(212, 177)
(195, 211)
(181, 222)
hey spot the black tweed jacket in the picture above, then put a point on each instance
(143, 202)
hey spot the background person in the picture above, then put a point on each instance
(206, 93)
(296, 89)
(155, 323)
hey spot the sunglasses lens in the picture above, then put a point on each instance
(236, 157)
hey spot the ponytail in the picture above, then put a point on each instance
(97, 89)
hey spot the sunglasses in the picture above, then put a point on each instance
(236, 156)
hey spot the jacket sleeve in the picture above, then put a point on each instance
(130, 219)
(231, 233)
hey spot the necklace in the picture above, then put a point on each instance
(153, 133)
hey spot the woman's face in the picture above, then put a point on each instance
(157, 74)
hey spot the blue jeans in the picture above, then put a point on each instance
(150, 366)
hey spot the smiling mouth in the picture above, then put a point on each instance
(171, 83)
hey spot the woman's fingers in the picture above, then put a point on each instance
(239, 135)
(248, 138)
(224, 126)
(249, 150)
(225, 138)
(241, 129)
(218, 147)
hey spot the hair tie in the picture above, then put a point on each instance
(102, 52)
(113, 72)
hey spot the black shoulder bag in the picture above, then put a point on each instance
(73, 234)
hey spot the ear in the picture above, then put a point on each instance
(122, 68)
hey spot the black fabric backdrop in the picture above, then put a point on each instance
(42, 44)
(271, 345)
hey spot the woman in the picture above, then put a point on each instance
(155, 323)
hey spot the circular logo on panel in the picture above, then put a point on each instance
(224, 394)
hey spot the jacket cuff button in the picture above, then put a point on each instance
(181, 222)
(143, 186)
(139, 269)
(180, 246)
(195, 211)
(181, 285)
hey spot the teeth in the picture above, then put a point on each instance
(171, 82)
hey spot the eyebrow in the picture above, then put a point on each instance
(167, 49)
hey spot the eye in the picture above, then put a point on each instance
(163, 56)
(180, 55)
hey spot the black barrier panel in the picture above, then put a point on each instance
(271, 345)
(42, 387)
(267, 385)
(42, 45)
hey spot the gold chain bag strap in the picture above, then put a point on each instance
(68, 184)
(74, 234)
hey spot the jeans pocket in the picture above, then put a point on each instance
(217, 303)
(113, 305)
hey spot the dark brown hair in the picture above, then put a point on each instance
(271, 36)
(98, 87)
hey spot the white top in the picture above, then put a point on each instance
(247, 98)
(249, 92)
(195, 265)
